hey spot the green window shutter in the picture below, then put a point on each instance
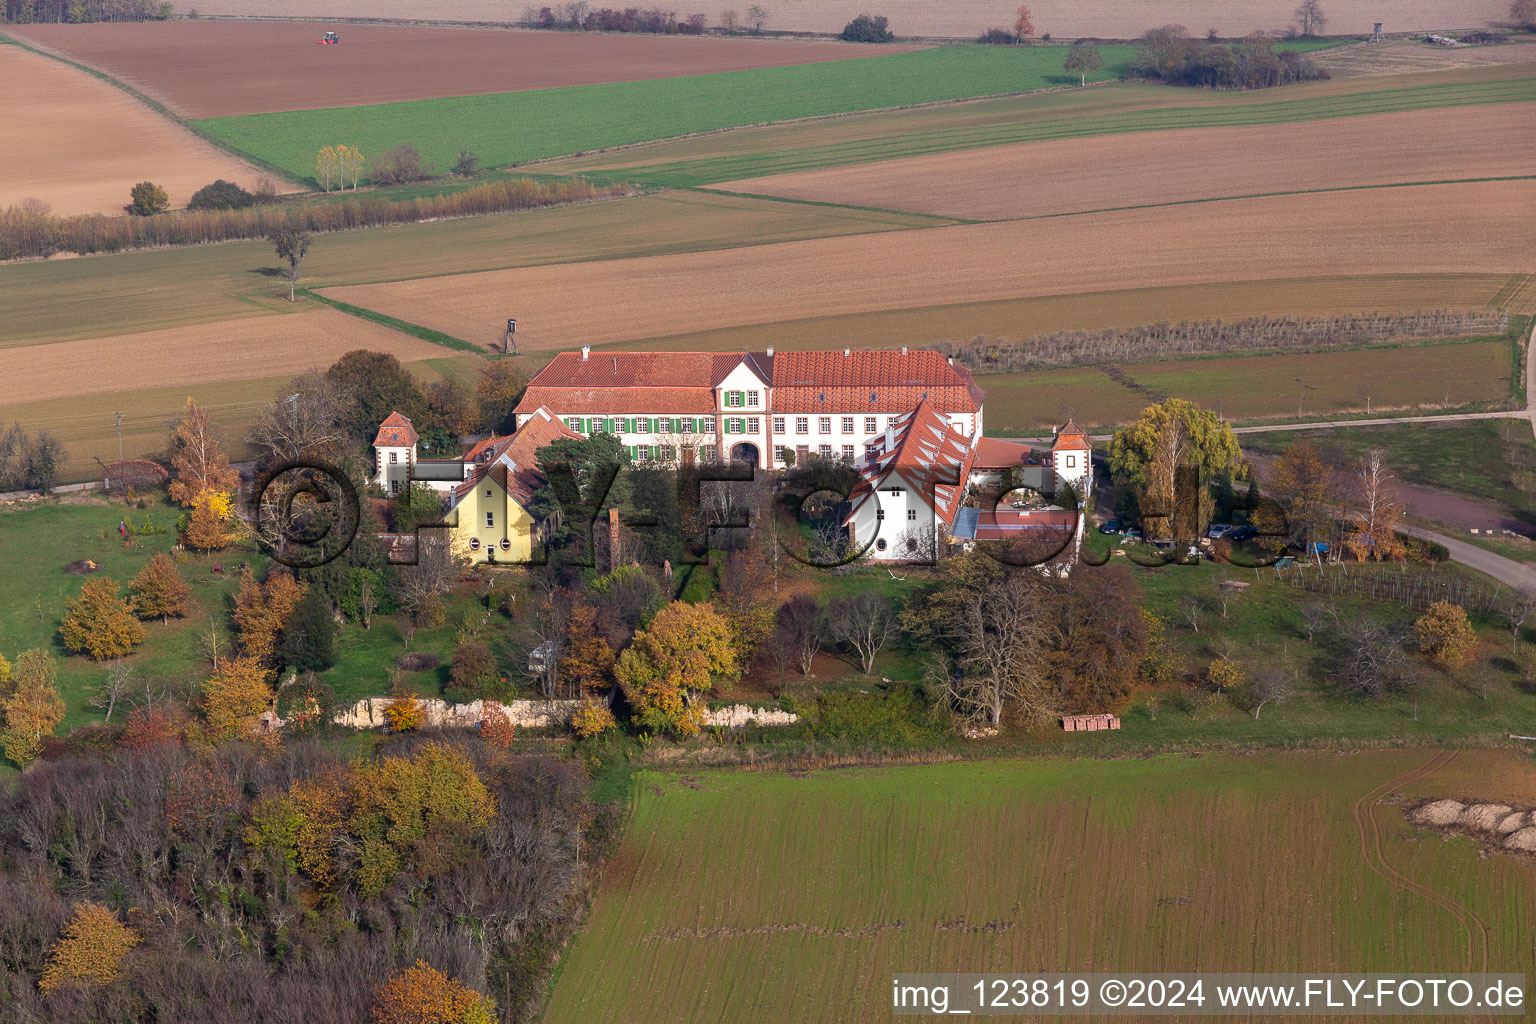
(698, 426)
(629, 424)
(586, 425)
(631, 452)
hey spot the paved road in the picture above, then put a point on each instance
(1506, 570)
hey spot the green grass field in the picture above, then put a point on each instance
(770, 897)
(1106, 110)
(506, 128)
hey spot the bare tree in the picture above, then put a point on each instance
(757, 17)
(1310, 14)
(1193, 610)
(213, 644)
(1317, 616)
(306, 419)
(1521, 606)
(1377, 509)
(865, 622)
(1269, 684)
(802, 624)
(1002, 631)
(434, 573)
(119, 683)
(1372, 657)
(367, 601)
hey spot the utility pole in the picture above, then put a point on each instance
(119, 436)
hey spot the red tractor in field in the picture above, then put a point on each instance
(329, 39)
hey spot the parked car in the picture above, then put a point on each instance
(1219, 530)
(1110, 526)
(1242, 533)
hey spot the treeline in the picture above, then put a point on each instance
(650, 20)
(28, 461)
(1262, 334)
(145, 879)
(31, 231)
(29, 12)
(1169, 55)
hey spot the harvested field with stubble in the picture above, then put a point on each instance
(199, 354)
(1147, 168)
(79, 144)
(219, 68)
(965, 19)
(1416, 57)
(820, 886)
(1438, 229)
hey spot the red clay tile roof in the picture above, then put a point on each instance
(637, 401)
(395, 432)
(1071, 437)
(994, 454)
(877, 381)
(493, 454)
(926, 451)
(642, 383)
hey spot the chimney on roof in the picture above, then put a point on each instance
(847, 351)
(903, 350)
(950, 360)
(586, 350)
(615, 366)
(769, 353)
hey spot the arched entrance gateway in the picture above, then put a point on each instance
(744, 452)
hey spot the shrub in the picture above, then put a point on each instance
(424, 995)
(401, 164)
(148, 199)
(1445, 634)
(474, 669)
(592, 718)
(404, 713)
(868, 29)
(221, 195)
(996, 37)
(1225, 674)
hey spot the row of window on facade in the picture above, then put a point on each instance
(706, 425)
(504, 544)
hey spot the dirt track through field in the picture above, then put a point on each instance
(966, 18)
(79, 144)
(218, 68)
(231, 350)
(1109, 171)
(1438, 229)
(1376, 859)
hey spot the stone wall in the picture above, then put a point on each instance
(368, 713)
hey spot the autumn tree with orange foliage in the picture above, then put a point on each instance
(263, 609)
(235, 697)
(1024, 27)
(99, 623)
(587, 663)
(673, 663)
(148, 728)
(424, 995)
(91, 950)
(32, 709)
(158, 591)
(212, 525)
(198, 458)
(405, 711)
(1377, 510)
(591, 718)
(496, 726)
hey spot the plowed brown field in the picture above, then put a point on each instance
(231, 350)
(1434, 229)
(80, 145)
(1112, 171)
(1122, 19)
(216, 68)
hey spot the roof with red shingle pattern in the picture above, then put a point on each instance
(395, 432)
(871, 381)
(928, 453)
(512, 461)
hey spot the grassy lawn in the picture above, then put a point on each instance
(1107, 110)
(37, 541)
(552, 122)
(1489, 459)
(802, 894)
